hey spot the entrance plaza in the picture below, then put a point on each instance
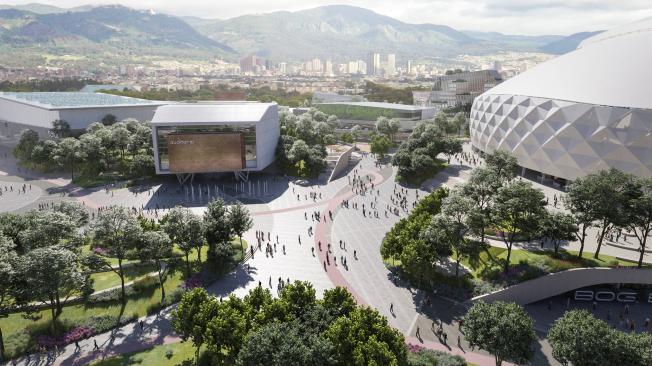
(326, 233)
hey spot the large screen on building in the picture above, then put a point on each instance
(206, 152)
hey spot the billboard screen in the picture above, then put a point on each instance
(206, 152)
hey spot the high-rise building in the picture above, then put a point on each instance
(282, 68)
(328, 69)
(317, 66)
(390, 68)
(248, 64)
(373, 64)
(409, 67)
(353, 67)
(362, 67)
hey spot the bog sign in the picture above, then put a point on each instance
(625, 296)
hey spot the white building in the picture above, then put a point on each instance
(390, 68)
(585, 111)
(201, 128)
(37, 111)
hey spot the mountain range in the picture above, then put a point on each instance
(339, 32)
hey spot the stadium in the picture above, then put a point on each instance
(585, 111)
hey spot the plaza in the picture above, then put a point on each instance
(304, 222)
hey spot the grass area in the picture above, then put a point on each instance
(15, 325)
(179, 353)
(418, 179)
(104, 280)
(566, 260)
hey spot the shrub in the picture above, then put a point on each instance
(18, 343)
(426, 357)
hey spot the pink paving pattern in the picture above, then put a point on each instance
(472, 357)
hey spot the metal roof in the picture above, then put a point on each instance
(212, 112)
(612, 69)
(68, 100)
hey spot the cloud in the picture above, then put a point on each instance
(506, 16)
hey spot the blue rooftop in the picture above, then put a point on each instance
(55, 100)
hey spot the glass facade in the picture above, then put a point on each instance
(248, 130)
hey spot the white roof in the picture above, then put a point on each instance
(215, 112)
(612, 68)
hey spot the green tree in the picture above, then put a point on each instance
(8, 272)
(607, 192)
(557, 227)
(60, 128)
(504, 330)
(240, 221)
(67, 152)
(578, 338)
(109, 120)
(28, 141)
(298, 296)
(458, 121)
(638, 212)
(187, 318)
(182, 227)
(380, 146)
(518, 209)
(118, 231)
(338, 302)
(365, 338)
(503, 163)
(47, 228)
(156, 246)
(217, 228)
(51, 275)
(481, 189)
(226, 330)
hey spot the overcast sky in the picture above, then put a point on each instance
(505, 16)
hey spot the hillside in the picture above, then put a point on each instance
(567, 44)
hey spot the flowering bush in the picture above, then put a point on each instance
(101, 251)
(192, 282)
(74, 334)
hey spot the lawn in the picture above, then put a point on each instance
(104, 280)
(180, 352)
(566, 260)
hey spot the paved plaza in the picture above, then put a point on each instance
(284, 211)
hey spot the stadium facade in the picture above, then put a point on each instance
(37, 111)
(585, 111)
(215, 137)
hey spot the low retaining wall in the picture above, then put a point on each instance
(561, 282)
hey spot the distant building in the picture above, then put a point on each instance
(283, 68)
(96, 87)
(373, 64)
(248, 64)
(457, 89)
(390, 68)
(366, 113)
(320, 97)
(37, 111)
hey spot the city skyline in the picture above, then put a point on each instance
(505, 16)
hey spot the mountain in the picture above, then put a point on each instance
(349, 32)
(509, 40)
(114, 34)
(567, 44)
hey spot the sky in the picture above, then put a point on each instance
(530, 17)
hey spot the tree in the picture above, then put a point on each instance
(504, 330)
(66, 153)
(51, 275)
(517, 212)
(580, 339)
(503, 163)
(481, 188)
(298, 297)
(217, 228)
(638, 212)
(365, 338)
(186, 230)
(240, 221)
(606, 191)
(187, 317)
(46, 228)
(118, 231)
(7, 277)
(458, 121)
(557, 227)
(451, 147)
(226, 330)
(109, 120)
(28, 141)
(578, 201)
(156, 245)
(338, 302)
(60, 128)
(281, 344)
(380, 146)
